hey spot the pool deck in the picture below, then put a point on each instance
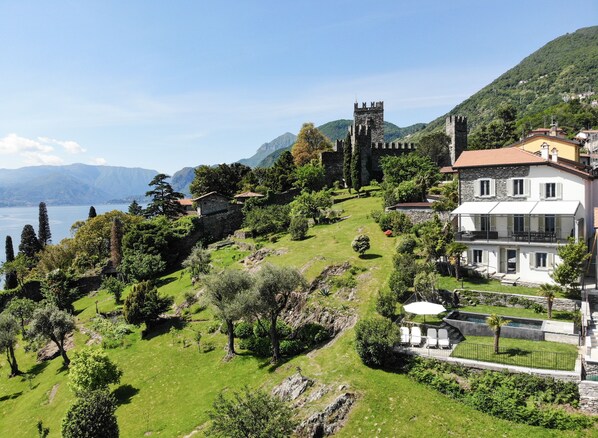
(565, 328)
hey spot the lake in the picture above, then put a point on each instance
(13, 219)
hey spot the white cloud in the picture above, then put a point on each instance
(99, 161)
(36, 158)
(13, 144)
(70, 146)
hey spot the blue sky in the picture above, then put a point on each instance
(168, 84)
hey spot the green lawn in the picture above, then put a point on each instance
(518, 312)
(535, 354)
(450, 283)
(168, 386)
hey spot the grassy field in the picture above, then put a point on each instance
(484, 284)
(518, 312)
(168, 385)
(521, 352)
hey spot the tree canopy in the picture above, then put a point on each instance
(310, 142)
(92, 416)
(164, 200)
(91, 369)
(226, 179)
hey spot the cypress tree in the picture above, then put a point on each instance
(92, 212)
(347, 162)
(44, 233)
(116, 235)
(11, 277)
(356, 168)
(29, 245)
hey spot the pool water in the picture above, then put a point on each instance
(478, 318)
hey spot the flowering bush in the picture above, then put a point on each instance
(388, 233)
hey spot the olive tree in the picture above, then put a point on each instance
(51, 323)
(9, 330)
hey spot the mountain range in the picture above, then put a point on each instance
(564, 68)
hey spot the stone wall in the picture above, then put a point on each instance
(456, 129)
(218, 226)
(419, 216)
(588, 396)
(487, 298)
(332, 161)
(501, 174)
(373, 116)
(212, 204)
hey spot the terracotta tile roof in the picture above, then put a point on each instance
(447, 169)
(496, 157)
(185, 202)
(207, 195)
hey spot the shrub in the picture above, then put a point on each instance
(90, 370)
(298, 227)
(114, 286)
(145, 305)
(361, 244)
(266, 220)
(406, 244)
(313, 334)
(395, 221)
(374, 339)
(291, 347)
(243, 330)
(91, 416)
(386, 303)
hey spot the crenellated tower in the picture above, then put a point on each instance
(372, 116)
(456, 129)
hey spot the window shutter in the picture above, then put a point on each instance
(526, 223)
(476, 188)
(550, 260)
(485, 257)
(559, 190)
(492, 223)
(526, 186)
(510, 223)
(470, 257)
(542, 191)
(510, 183)
(541, 223)
(492, 187)
(532, 260)
(557, 226)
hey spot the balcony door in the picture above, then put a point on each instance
(509, 260)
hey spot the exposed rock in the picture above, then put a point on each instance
(321, 280)
(335, 320)
(94, 337)
(50, 351)
(329, 421)
(254, 259)
(292, 387)
(178, 308)
(317, 394)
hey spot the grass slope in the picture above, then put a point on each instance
(166, 388)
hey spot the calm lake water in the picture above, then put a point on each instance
(13, 219)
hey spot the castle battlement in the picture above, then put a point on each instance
(456, 119)
(395, 146)
(364, 107)
(360, 130)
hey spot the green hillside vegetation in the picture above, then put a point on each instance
(169, 384)
(564, 67)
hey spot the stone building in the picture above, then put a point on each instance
(367, 134)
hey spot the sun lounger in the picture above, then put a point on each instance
(404, 335)
(416, 336)
(443, 339)
(432, 338)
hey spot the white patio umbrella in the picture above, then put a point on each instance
(424, 308)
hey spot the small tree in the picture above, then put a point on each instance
(298, 227)
(310, 176)
(574, 256)
(386, 303)
(495, 323)
(199, 262)
(356, 168)
(9, 329)
(455, 250)
(250, 413)
(90, 370)
(361, 244)
(51, 323)
(92, 212)
(59, 289)
(44, 233)
(114, 286)
(374, 340)
(229, 293)
(141, 266)
(22, 309)
(10, 279)
(145, 305)
(550, 291)
(91, 416)
(311, 204)
(135, 209)
(274, 287)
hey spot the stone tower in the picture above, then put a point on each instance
(456, 129)
(372, 116)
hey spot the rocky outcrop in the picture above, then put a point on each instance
(50, 351)
(292, 387)
(329, 421)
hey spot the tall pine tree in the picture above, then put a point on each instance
(29, 245)
(135, 209)
(43, 232)
(347, 152)
(356, 168)
(11, 277)
(92, 212)
(165, 201)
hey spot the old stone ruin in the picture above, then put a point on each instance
(367, 134)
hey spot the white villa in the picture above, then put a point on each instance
(517, 206)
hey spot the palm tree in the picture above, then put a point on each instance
(549, 291)
(496, 322)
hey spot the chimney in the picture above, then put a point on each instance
(554, 129)
(544, 150)
(555, 155)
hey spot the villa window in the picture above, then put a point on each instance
(541, 260)
(518, 223)
(484, 223)
(477, 256)
(518, 189)
(551, 190)
(484, 188)
(550, 223)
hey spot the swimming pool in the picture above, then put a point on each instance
(474, 324)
